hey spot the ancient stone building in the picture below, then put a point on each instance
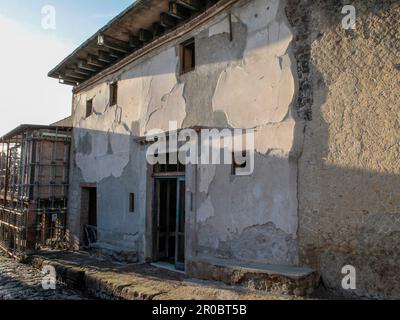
(323, 102)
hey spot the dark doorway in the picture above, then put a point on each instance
(92, 207)
(170, 220)
(89, 215)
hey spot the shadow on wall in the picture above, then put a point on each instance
(114, 164)
(349, 172)
(256, 213)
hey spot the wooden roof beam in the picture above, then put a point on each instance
(111, 43)
(193, 5)
(85, 66)
(145, 35)
(177, 11)
(115, 54)
(92, 60)
(68, 81)
(73, 76)
(105, 57)
(134, 42)
(76, 69)
(167, 21)
(158, 29)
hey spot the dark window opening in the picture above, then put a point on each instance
(89, 108)
(236, 165)
(174, 166)
(132, 202)
(188, 56)
(114, 94)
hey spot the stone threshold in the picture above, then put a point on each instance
(275, 279)
(166, 266)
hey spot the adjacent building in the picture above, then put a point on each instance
(34, 179)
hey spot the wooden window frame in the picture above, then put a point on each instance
(183, 47)
(89, 104)
(114, 93)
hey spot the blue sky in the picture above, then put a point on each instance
(28, 52)
(76, 19)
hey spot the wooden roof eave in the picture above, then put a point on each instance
(137, 27)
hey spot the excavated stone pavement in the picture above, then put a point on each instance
(103, 279)
(23, 282)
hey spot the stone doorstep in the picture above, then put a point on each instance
(272, 279)
(294, 273)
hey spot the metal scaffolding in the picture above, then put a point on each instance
(34, 174)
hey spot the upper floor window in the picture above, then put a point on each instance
(188, 56)
(113, 93)
(89, 108)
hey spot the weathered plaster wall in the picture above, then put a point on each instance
(254, 218)
(349, 173)
(249, 218)
(248, 82)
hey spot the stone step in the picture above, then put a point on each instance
(275, 279)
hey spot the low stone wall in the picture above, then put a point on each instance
(275, 279)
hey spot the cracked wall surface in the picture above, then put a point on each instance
(243, 79)
(254, 218)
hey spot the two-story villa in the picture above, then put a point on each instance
(234, 64)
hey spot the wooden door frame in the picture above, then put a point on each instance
(156, 178)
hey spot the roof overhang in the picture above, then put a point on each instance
(136, 27)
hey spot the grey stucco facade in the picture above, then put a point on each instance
(242, 61)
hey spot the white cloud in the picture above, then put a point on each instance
(27, 95)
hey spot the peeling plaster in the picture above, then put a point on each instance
(205, 211)
(279, 136)
(254, 218)
(273, 245)
(262, 83)
(207, 174)
(155, 95)
(109, 149)
(246, 83)
(220, 27)
(172, 108)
